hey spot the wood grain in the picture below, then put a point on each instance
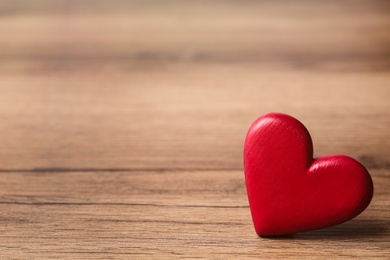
(122, 122)
(190, 214)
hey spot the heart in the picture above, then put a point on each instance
(291, 192)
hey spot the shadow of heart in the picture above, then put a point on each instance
(353, 229)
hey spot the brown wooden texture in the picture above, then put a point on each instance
(122, 122)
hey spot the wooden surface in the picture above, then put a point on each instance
(122, 123)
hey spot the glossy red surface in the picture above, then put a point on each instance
(291, 192)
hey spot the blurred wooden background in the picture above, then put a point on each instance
(122, 122)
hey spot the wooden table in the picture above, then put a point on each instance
(122, 123)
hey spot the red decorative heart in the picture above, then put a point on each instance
(291, 192)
